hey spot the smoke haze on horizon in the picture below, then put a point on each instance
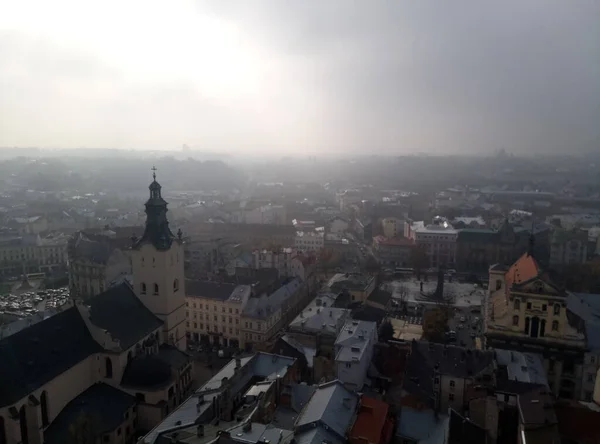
(284, 77)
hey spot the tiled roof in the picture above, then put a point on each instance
(525, 268)
(119, 311)
(34, 356)
(103, 405)
(371, 419)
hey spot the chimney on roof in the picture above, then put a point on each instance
(238, 363)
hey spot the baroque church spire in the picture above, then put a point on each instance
(157, 231)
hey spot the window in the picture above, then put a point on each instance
(195, 325)
(515, 320)
(230, 310)
(215, 318)
(590, 377)
(194, 315)
(237, 311)
(592, 359)
(187, 323)
(556, 309)
(44, 406)
(223, 309)
(194, 304)
(215, 308)
(237, 321)
(452, 383)
(436, 380)
(176, 285)
(187, 314)
(107, 368)
(155, 289)
(119, 431)
(142, 288)
(498, 284)
(517, 304)
(451, 397)
(223, 318)
(348, 365)
(528, 305)
(554, 325)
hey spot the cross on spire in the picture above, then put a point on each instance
(153, 172)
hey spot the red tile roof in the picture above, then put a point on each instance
(372, 424)
(525, 268)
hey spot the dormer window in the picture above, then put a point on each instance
(155, 289)
(142, 288)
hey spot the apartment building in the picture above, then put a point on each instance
(214, 310)
(265, 315)
(31, 253)
(438, 240)
(568, 247)
(96, 262)
(393, 252)
(309, 241)
(354, 351)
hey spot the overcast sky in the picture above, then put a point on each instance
(287, 76)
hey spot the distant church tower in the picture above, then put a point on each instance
(157, 263)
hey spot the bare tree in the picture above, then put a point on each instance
(401, 292)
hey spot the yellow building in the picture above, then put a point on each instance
(213, 311)
(526, 311)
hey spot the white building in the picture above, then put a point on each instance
(309, 241)
(438, 239)
(353, 352)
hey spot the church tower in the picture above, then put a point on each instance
(157, 263)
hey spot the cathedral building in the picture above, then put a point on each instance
(526, 311)
(111, 366)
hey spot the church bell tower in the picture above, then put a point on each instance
(157, 263)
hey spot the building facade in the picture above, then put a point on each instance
(568, 247)
(309, 241)
(213, 311)
(393, 252)
(30, 253)
(96, 262)
(437, 239)
(527, 312)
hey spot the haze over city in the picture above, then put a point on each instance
(286, 77)
(300, 222)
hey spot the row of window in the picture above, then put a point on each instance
(517, 306)
(199, 305)
(143, 287)
(214, 329)
(215, 317)
(555, 324)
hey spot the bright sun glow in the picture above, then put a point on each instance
(148, 41)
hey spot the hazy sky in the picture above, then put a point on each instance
(291, 75)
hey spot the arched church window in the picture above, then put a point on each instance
(176, 285)
(155, 289)
(23, 425)
(143, 288)
(108, 370)
(44, 408)
(2, 431)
